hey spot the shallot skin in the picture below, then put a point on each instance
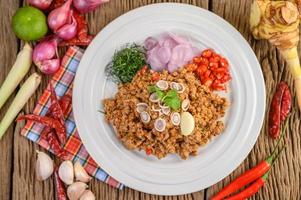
(84, 6)
(41, 4)
(68, 31)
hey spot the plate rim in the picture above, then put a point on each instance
(261, 78)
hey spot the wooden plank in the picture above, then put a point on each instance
(9, 48)
(284, 180)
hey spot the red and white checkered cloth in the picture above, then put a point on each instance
(62, 81)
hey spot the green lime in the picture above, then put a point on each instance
(29, 23)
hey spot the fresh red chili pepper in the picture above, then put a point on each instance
(143, 70)
(280, 107)
(249, 176)
(60, 191)
(47, 121)
(251, 190)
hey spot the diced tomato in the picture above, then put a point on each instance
(148, 151)
(213, 65)
(208, 82)
(155, 76)
(197, 60)
(226, 78)
(204, 61)
(144, 69)
(207, 74)
(192, 67)
(215, 59)
(224, 62)
(207, 53)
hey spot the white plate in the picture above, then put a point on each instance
(170, 176)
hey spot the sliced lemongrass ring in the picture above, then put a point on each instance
(163, 85)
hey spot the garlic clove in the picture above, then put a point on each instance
(75, 190)
(87, 195)
(80, 173)
(44, 166)
(187, 123)
(66, 172)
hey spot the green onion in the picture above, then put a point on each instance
(23, 95)
(16, 74)
(126, 63)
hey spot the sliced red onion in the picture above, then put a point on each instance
(85, 6)
(150, 43)
(49, 66)
(41, 4)
(68, 31)
(59, 16)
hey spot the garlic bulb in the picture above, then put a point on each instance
(75, 190)
(80, 173)
(87, 195)
(66, 172)
(44, 166)
(163, 85)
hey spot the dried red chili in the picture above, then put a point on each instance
(54, 143)
(66, 104)
(47, 121)
(60, 191)
(279, 109)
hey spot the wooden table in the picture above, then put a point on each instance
(17, 154)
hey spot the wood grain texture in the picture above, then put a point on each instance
(17, 167)
(8, 52)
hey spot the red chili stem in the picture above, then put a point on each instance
(60, 191)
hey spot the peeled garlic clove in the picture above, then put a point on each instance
(145, 117)
(185, 105)
(154, 97)
(175, 118)
(163, 85)
(80, 173)
(87, 195)
(160, 124)
(187, 123)
(66, 172)
(44, 166)
(75, 190)
(140, 107)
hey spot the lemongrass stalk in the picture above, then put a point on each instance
(16, 74)
(23, 95)
(292, 58)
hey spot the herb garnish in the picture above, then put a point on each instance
(126, 63)
(171, 98)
